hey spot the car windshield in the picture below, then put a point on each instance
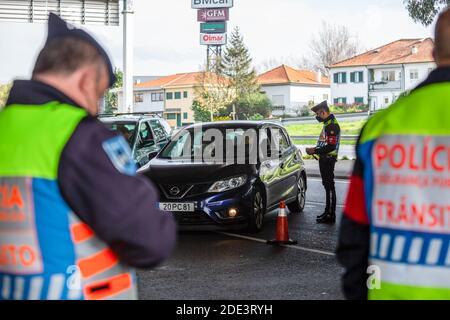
(212, 144)
(127, 129)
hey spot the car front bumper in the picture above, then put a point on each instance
(212, 209)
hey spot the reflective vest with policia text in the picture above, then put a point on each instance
(407, 187)
(324, 139)
(46, 252)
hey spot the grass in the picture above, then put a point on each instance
(347, 128)
(314, 142)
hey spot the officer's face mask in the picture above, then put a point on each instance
(318, 118)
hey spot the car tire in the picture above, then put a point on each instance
(256, 222)
(299, 204)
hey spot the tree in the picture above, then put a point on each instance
(424, 11)
(332, 44)
(237, 66)
(4, 92)
(200, 114)
(243, 80)
(212, 94)
(255, 106)
(111, 98)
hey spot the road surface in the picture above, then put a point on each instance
(216, 265)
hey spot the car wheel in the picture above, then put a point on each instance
(299, 204)
(258, 212)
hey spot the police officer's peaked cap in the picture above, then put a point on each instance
(320, 106)
(58, 28)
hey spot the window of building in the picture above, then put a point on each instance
(359, 100)
(340, 101)
(185, 94)
(325, 97)
(340, 77)
(414, 74)
(371, 75)
(138, 97)
(171, 116)
(388, 76)
(158, 96)
(169, 95)
(177, 95)
(185, 116)
(386, 100)
(357, 77)
(278, 100)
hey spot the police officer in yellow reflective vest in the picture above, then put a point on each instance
(327, 150)
(394, 239)
(74, 216)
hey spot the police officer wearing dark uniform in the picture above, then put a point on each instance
(73, 206)
(327, 149)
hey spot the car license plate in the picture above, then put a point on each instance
(177, 207)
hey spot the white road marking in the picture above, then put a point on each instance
(286, 246)
(321, 203)
(336, 180)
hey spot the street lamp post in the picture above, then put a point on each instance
(128, 37)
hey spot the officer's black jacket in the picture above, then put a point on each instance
(354, 237)
(121, 209)
(331, 136)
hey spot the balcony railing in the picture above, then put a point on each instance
(385, 85)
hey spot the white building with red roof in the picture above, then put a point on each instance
(290, 89)
(378, 77)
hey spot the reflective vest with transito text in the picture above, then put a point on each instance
(46, 252)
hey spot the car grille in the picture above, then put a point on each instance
(183, 191)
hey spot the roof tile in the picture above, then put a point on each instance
(287, 75)
(397, 52)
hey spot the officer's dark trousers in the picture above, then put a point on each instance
(327, 165)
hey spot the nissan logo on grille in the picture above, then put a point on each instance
(174, 191)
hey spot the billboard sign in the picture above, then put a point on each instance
(213, 39)
(92, 12)
(213, 27)
(211, 4)
(213, 15)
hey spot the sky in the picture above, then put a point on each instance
(166, 34)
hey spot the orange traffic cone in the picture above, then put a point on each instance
(282, 236)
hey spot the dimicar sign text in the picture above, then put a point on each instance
(207, 4)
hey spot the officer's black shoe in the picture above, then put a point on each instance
(328, 219)
(323, 215)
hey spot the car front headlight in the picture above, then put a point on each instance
(228, 184)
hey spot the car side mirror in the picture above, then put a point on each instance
(152, 155)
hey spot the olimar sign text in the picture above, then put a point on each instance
(213, 39)
(208, 4)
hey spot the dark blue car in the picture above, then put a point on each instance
(208, 174)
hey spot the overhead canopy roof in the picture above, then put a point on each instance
(95, 12)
